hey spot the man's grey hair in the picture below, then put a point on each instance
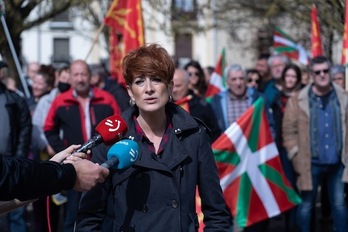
(275, 56)
(234, 67)
(337, 68)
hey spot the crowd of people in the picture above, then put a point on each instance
(167, 114)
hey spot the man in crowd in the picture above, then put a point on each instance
(314, 133)
(230, 104)
(77, 112)
(15, 124)
(194, 104)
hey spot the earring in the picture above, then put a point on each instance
(170, 98)
(131, 102)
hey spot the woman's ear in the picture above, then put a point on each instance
(170, 87)
(129, 90)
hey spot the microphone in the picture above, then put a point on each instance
(122, 155)
(110, 130)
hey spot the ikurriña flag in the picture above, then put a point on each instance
(216, 82)
(251, 176)
(285, 45)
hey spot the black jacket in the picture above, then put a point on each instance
(26, 179)
(20, 123)
(160, 194)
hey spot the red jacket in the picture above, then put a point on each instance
(66, 114)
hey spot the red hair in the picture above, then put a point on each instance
(149, 60)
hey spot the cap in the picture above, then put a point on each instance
(3, 64)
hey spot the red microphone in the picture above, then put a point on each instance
(108, 131)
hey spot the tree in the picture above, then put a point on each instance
(17, 18)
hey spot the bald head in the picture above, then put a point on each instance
(181, 84)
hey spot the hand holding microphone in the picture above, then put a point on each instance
(122, 155)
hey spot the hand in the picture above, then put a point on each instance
(88, 174)
(59, 157)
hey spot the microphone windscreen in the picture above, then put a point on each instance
(112, 129)
(126, 151)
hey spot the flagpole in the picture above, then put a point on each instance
(101, 27)
(15, 57)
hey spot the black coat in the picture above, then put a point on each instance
(160, 194)
(27, 179)
(20, 123)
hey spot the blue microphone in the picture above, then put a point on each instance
(122, 154)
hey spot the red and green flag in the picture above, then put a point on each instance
(285, 45)
(251, 176)
(216, 83)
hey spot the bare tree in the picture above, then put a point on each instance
(17, 18)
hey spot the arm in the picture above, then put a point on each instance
(216, 216)
(51, 128)
(24, 128)
(26, 179)
(290, 128)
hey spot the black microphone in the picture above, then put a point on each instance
(122, 155)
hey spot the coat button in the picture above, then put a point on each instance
(145, 209)
(175, 204)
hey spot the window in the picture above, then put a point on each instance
(183, 48)
(61, 50)
(184, 9)
(61, 21)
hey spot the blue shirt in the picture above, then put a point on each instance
(324, 132)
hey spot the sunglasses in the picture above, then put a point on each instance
(193, 73)
(252, 80)
(326, 71)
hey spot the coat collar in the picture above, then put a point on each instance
(303, 100)
(175, 153)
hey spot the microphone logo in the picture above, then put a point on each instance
(133, 154)
(112, 127)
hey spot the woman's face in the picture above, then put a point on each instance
(194, 78)
(40, 86)
(150, 94)
(290, 79)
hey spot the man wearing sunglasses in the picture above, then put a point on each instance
(314, 134)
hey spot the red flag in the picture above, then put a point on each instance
(345, 37)
(315, 34)
(126, 22)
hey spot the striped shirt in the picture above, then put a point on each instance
(236, 107)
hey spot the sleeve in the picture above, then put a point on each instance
(26, 179)
(290, 129)
(52, 128)
(25, 128)
(216, 216)
(39, 117)
(96, 212)
(212, 123)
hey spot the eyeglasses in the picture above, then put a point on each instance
(193, 73)
(326, 71)
(252, 80)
